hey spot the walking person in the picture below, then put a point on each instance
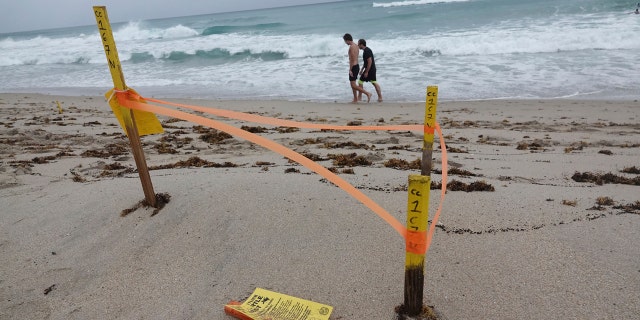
(354, 67)
(368, 72)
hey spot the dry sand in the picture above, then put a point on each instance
(540, 246)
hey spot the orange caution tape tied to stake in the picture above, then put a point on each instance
(416, 241)
(131, 99)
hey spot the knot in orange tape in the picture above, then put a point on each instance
(129, 94)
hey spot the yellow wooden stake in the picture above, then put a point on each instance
(429, 126)
(418, 214)
(417, 217)
(104, 28)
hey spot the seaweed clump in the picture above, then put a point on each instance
(194, 162)
(349, 160)
(630, 207)
(601, 179)
(113, 149)
(161, 200)
(401, 164)
(455, 185)
(210, 135)
(633, 170)
(427, 313)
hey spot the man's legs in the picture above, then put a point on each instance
(355, 94)
(378, 90)
(376, 85)
(357, 89)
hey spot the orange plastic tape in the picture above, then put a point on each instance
(232, 312)
(443, 190)
(132, 101)
(288, 123)
(416, 242)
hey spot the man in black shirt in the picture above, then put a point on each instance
(368, 71)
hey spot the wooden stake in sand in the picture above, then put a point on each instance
(418, 215)
(104, 28)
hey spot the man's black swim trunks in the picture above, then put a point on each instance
(353, 76)
(371, 76)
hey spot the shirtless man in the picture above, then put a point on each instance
(354, 68)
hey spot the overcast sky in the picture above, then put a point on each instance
(26, 15)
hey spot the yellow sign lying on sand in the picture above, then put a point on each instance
(268, 305)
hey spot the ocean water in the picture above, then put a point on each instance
(470, 49)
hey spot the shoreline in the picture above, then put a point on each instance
(343, 98)
(241, 216)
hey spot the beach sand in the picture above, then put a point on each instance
(540, 245)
